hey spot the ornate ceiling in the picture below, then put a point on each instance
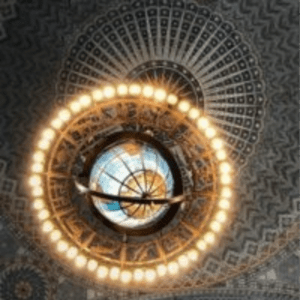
(235, 60)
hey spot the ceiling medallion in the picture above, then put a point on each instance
(115, 193)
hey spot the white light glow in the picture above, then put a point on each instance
(135, 89)
(172, 99)
(173, 268)
(109, 92)
(97, 95)
(102, 272)
(201, 245)
(92, 265)
(138, 275)
(122, 90)
(114, 273)
(194, 113)
(148, 91)
(126, 276)
(209, 237)
(184, 106)
(161, 270)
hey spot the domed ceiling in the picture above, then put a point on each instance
(161, 141)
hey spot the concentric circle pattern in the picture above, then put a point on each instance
(211, 64)
(89, 132)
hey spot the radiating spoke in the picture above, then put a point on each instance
(151, 192)
(144, 169)
(156, 167)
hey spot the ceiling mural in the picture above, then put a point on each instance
(104, 104)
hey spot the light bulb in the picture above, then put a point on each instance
(184, 106)
(62, 246)
(201, 245)
(172, 99)
(39, 156)
(217, 143)
(224, 204)
(102, 272)
(97, 95)
(225, 167)
(161, 270)
(48, 134)
(92, 265)
(215, 226)
(126, 276)
(37, 168)
(138, 275)
(160, 95)
(193, 255)
(209, 238)
(47, 226)
(122, 89)
(135, 89)
(55, 235)
(64, 115)
(72, 252)
(37, 191)
(226, 192)
(114, 273)
(85, 100)
(75, 106)
(109, 92)
(148, 91)
(80, 261)
(183, 261)
(173, 268)
(44, 214)
(210, 132)
(44, 144)
(221, 155)
(35, 180)
(150, 275)
(202, 123)
(221, 216)
(194, 113)
(226, 179)
(57, 123)
(38, 204)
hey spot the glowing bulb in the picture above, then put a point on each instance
(201, 245)
(72, 252)
(122, 89)
(135, 89)
(225, 167)
(224, 204)
(114, 273)
(221, 216)
(138, 275)
(75, 106)
(148, 91)
(226, 192)
(92, 265)
(126, 276)
(193, 255)
(226, 179)
(173, 268)
(221, 155)
(97, 95)
(210, 132)
(44, 144)
(150, 275)
(38, 204)
(64, 115)
(37, 191)
(37, 168)
(80, 261)
(55, 235)
(161, 270)
(172, 99)
(109, 92)
(38, 156)
(48, 134)
(35, 180)
(184, 106)
(102, 272)
(62, 246)
(215, 226)
(57, 123)
(202, 123)
(209, 237)
(85, 100)
(183, 261)
(160, 95)
(194, 113)
(44, 214)
(47, 226)
(217, 144)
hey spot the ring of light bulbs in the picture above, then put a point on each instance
(72, 252)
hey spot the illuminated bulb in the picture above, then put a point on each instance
(135, 89)
(138, 275)
(184, 106)
(38, 204)
(217, 144)
(221, 155)
(48, 134)
(72, 252)
(226, 192)
(160, 95)
(126, 276)
(97, 95)
(193, 255)
(210, 132)
(92, 265)
(114, 273)
(85, 100)
(122, 89)
(39, 156)
(172, 99)
(224, 204)
(37, 191)
(55, 235)
(173, 268)
(201, 245)
(225, 167)
(226, 179)
(48, 226)
(64, 115)
(62, 246)
(80, 261)
(44, 144)
(202, 123)
(194, 113)
(183, 261)
(148, 91)
(215, 226)
(75, 106)
(161, 270)
(209, 238)
(44, 214)
(102, 272)
(35, 180)
(109, 92)
(221, 216)
(57, 123)
(150, 275)
(37, 168)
